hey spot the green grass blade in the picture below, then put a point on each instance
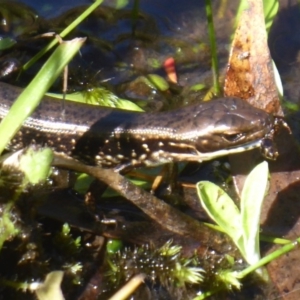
(270, 257)
(66, 31)
(31, 96)
(213, 46)
(270, 11)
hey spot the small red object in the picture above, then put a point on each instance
(169, 66)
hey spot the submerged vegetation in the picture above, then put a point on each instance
(165, 266)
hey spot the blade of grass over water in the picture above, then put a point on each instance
(213, 46)
(135, 15)
(31, 96)
(66, 31)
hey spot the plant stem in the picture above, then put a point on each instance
(135, 15)
(269, 258)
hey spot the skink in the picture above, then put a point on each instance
(119, 139)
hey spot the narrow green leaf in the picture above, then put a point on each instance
(198, 87)
(270, 11)
(64, 33)
(31, 96)
(251, 202)
(213, 47)
(220, 207)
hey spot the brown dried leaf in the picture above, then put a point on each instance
(250, 76)
(250, 72)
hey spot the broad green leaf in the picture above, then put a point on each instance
(99, 97)
(6, 43)
(251, 202)
(220, 207)
(121, 4)
(198, 87)
(82, 183)
(157, 82)
(50, 288)
(36, 165)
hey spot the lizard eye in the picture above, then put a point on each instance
(232, 137)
